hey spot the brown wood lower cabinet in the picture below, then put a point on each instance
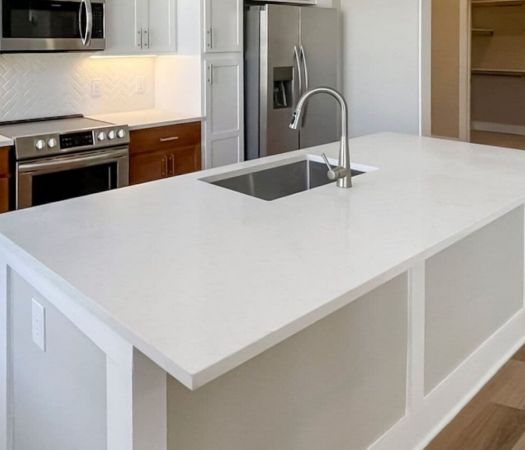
(4, 179)
(162, 152)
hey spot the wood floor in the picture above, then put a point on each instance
(498, 139)
(495, 418)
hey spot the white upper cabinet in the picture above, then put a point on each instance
(140, 26)
(121, 26)
(162, 27)
(223, 25)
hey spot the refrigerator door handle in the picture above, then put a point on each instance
(306, 73)
(299, 74)
(306, 82)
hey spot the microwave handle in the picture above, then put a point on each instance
(86, 38)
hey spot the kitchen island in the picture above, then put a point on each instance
(181, 315)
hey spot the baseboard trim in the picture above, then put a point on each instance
(499, 128)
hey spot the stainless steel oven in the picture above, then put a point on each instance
(52, 25)
(49, 180)
(65, 157)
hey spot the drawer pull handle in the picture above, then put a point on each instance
(169, 139)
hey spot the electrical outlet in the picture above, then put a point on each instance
(38, 324)
(140, 86)
(96, 88)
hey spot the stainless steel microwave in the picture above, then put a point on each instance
(52, 25)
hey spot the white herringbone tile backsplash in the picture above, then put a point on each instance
(58, 84)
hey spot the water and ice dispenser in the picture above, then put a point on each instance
(282, 87)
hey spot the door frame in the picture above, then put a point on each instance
(465, 49)
(465, 27)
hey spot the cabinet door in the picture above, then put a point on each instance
(140, 26)
(160, 34)
(148, 167)
(224, 99)
(152, 166)
(223, 25)
(124, 26)
(184, 160)
(225, 151)
(224, 110)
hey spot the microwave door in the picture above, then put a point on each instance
(41, 25)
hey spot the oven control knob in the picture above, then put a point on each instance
(121, 133)
(112, 135)
(40, 144)
(52, 143)
(101, 136)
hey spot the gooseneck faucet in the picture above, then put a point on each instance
(343, 172)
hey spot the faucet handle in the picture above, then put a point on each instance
(331, 174)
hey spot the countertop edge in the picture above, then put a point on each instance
(6, 142)
(140, 123)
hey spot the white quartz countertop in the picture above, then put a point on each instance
(147, 118)
(201, 279)
(5, 141)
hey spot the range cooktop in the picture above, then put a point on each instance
(45, 137)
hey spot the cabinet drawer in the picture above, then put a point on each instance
(165, 138)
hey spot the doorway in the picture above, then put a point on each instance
(478, 71)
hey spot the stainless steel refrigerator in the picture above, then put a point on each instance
(288, 50)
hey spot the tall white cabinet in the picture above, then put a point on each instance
(224, 84)
(224, 110)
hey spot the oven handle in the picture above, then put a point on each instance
(71, 162)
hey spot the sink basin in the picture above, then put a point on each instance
(272, 183)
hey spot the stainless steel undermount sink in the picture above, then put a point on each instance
(271, 183)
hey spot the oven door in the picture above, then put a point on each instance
(52, 25)
(53, 179)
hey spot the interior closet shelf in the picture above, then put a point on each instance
(483, 31)
(498, 3)
(499, 72)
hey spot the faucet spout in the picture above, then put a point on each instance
(344, 171)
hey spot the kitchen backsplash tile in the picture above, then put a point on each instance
(33, 85)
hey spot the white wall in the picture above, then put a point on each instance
(381, 47)
(178, 84)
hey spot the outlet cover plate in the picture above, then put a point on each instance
(38, 324)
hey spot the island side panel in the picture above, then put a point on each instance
(59, 393)
(472, 289)
(5, 379)
(340, 383)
